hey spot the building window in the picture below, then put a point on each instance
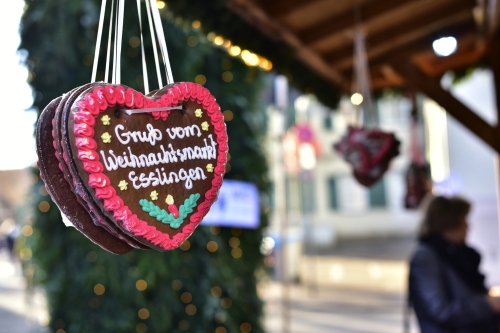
(307, 195)
(332, 193)
(352, 196)
(328, 122)
(377, 195)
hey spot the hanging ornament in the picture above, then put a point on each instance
(114, 159)
(418, 177)
(368, 150)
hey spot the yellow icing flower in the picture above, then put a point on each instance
(154, 195)
(123, 185)
(204, 126)
(105, 120)
(198, 113)
(210, 167)
(169, 200)
(106, 138)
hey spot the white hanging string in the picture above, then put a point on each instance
(98, 42)
(163, 44)
(361, 82)
(144, 66)
(108, 52)
(115, 51)
(116, 23)
(121, 8)
(155, 51)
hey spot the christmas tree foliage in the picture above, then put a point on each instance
(209, 285)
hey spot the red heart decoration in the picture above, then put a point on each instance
(154, 174)
(369, 151)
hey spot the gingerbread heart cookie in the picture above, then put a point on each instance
(154, 174)
(60, 190)
(369, 151)
(64, 156)
(133, 171)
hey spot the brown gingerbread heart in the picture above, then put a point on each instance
(154, 174)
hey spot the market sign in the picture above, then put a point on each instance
(237, 206)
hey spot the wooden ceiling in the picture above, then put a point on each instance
(397, 31)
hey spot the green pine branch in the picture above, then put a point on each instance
(167, 218)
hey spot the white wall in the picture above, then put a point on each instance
(472, 165)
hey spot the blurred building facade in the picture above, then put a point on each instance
(327, 205)
(328, 197)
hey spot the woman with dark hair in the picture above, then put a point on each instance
(446, 288)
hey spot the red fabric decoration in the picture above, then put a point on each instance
(369, 151)
(418, 184)
(418, 178)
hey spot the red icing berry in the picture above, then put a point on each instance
(173, 210)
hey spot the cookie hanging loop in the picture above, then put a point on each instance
(161, 39)
(118, 41)
(153, 39)
(108, 52)
(116, 23)
(113, 74)
(98, 42)
(144, 65)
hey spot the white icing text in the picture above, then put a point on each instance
(161, 178)
(161, 155)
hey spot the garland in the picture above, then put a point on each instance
(166, 218)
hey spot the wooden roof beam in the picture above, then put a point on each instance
(470, 50)
(345, 20)
(280, 8)
(413, 51)
(420, 22)
(405, 52)
(384, 44)
(383, 77)
(257, 17)
(432, 88)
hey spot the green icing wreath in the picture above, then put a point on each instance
(166, 218)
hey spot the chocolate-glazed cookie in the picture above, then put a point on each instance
(60, 190)
(75, 181)
(155, 174)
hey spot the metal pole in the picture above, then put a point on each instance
(281, 102)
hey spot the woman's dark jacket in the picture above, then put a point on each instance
(447, 298)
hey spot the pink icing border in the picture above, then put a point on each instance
(98, 100)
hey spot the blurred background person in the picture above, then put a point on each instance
(9, 232)
(446, 288)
